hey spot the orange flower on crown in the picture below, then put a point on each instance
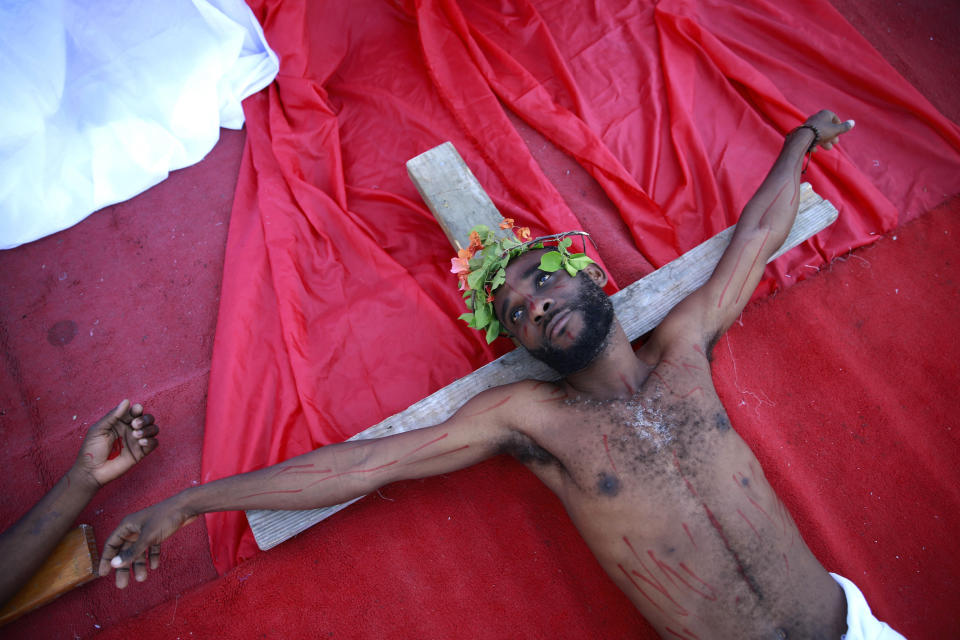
(489, 293)
(522, 233)
(475, 243)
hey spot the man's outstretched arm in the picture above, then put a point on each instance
(763, 226)
(324, 477)
(26, 544)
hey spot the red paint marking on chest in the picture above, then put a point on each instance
(747, 520)
(685, 633)
(654, 582)
(743, 489)
(627, 385)
(488, 409)
(715, 523)
(691, 392)
(664, 382)
(708, 593)
(555, 395)
(609, 458)
(693, 367)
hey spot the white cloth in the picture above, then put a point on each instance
(101, 99)
(861, 623)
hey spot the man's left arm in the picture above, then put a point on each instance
(763, 226)
(26, 544)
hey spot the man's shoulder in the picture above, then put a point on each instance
(519, 400)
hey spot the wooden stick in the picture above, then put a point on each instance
(71, 564)
(453, 194)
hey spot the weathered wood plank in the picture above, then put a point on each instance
(639, 307)
(72, 563)
(452, 193)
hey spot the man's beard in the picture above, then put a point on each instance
(597, 321)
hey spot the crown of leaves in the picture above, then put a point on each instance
(481, 267)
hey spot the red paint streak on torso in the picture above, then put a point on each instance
(607, 447)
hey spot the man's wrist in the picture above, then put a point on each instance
(191, 501)
(808, 133)
(82, 480)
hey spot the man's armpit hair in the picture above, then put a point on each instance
(525, 450)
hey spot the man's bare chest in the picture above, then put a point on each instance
(607, 446)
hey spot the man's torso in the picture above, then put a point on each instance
(676, 507)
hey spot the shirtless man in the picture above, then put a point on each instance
(638, 446)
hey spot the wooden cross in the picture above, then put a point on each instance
(459, 203)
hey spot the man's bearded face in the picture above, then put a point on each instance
(597, 311)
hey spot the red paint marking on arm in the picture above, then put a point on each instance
(787, 563)
(730, 279)
(752, 265)
(291, 468)
(268, 493)
(423, 446)
(483, 411)
(352, 472)
(685, 635)
(607, 447)
(772, 202)
(466, 446)
(689, 535)
(699, 350)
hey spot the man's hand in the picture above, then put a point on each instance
(125, 426)
(829, 126)
(138, 539)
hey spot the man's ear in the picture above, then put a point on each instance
(595, 273)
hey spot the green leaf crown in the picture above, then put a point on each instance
(481, 267)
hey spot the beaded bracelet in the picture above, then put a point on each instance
(813, 145)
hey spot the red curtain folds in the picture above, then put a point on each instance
(337, 306)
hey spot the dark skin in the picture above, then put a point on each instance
(26, 544)
(637, 445)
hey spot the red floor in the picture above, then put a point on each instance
(125, 303)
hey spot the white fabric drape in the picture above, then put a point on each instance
(101, 100)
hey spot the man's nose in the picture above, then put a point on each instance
(539, 308)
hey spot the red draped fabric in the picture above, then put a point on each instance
(337, 305)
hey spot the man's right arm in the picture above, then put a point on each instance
(326, 476)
